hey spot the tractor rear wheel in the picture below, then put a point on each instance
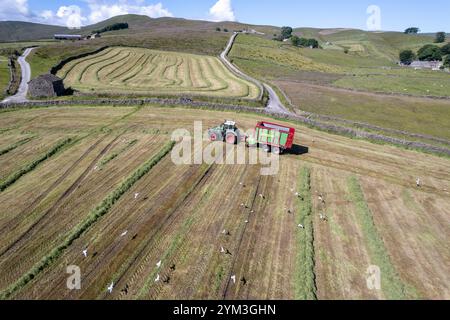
(230, 138)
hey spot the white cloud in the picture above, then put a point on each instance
(222, 11)
(71, 16)
(14, 10)
(101, 10)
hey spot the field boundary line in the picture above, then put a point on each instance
(102, 209)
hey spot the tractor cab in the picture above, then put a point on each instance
(227, 132)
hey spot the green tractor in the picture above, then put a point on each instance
(226, 132)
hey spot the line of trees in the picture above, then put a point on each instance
(304, 42)
(113, 27)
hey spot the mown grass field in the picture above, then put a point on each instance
(4, 75)
(116, 192)
(149, 72)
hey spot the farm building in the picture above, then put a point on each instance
(68, 37)
(433, 65)
(47, 85)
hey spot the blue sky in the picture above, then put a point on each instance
(395, 15)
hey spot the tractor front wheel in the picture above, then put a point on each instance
(213, 137)
(266, 148)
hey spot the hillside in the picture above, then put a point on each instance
(138, 25)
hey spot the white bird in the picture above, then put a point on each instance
(224, 231)
(297, 194)
(233, 278)
(158, 265)
(124, 233)
(85, 253)
(222, 250)
(418, 182)
(261, 196)
(136, 195)
(301, 226)
(157, 278)
(323, 217)
(111, 287)
(246, 221)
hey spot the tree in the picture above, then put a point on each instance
(440, 37)
(225, 30)
(412, 30)
(312, 43)
(407, 57)
(295, 41)
(429, 52)
(218, 29)
(447, 62)
(286, 32)
(445, 49)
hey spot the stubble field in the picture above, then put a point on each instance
(113, 190)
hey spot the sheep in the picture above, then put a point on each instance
(233, 278)
(110, 287)
(323, 217)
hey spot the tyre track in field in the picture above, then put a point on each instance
(66, 194)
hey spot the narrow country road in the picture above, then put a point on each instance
(21, 95)
(274, 104)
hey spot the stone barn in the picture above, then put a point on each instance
(46, 86)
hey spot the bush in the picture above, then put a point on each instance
(440, 37)
(218, 29)
(430, 53)
(407, 57)
(286, 32)
(225, 30)
(445, 49)
(447, 62)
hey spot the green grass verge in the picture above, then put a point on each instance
(305, 280)
(392, 285)
(102, 209)
(32, 165)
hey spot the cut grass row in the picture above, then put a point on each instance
(392, 285)
(101, 210)
(14, 177)
(305, 282)
(15, 145)
(114, 155)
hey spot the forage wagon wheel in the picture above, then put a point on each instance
(276, 150)
(266, 148)
(230, 138)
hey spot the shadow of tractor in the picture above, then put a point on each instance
(297, 150)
